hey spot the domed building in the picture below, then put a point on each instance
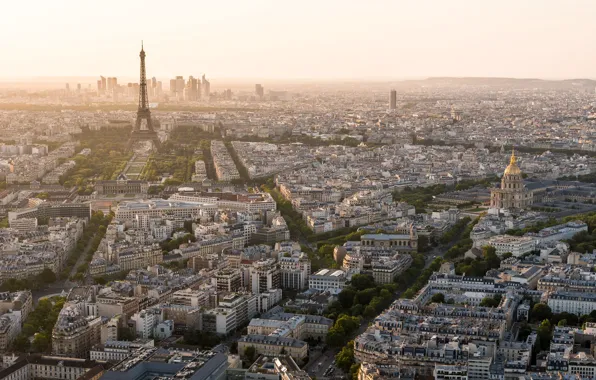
(513, 194)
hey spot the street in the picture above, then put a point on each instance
(318, 367)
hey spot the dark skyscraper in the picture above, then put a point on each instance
(192, 89)
(259, 90)
(393, 100)
(111, 84)
(103, 84)
(206, 87)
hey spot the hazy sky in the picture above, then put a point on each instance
(359, 39)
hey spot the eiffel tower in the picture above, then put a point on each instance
(143, 128)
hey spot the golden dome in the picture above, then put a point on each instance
(513, 169)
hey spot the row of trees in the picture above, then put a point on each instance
(420, 197)
(345, 360)
(186, 138)
(349, 234)
(583, 242)
(239, 165)
(464, 243)
(179, 166)
(344, 326)
(306, 140)
(542, 315)
(39, 325)
(455, 231)
(204, 339)
(479, 266)
(172, 244)
(417, 275)
(46, 277)
(296, 224)
(362, 298)
(109, 155)
(541, 311)
(178, 154)
(533, 228)
(92, 235)
(323, 258)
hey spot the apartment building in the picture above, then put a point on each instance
(20, 303)
(137, 257)
(249, 202)
(10, 327)
(384, 271)
(121, 186)
(219, 320)
(325, 279)
(145, 321)
(228, 280)
(578, 303)
(37, 366)
(450, 372)
(274, 345)
(244, 306)
(130, 210)
(294, 271)
(517, 245)
(264, 275)
(74, 334)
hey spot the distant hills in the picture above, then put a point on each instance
(503, 82)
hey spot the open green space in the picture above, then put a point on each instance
(109, 156)
(39, 325)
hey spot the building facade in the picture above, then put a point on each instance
(513, 195)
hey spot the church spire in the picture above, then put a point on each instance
(513, 159)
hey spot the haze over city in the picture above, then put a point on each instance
(312, 190)
(355, 40)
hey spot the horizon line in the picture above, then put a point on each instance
(28, 78)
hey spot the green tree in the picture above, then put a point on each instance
(47, 276)
(544, 333)
(357, 310)
(250, 353)
(336, 336)
(41, 342)
(489, 302)
(203, 339)
(370, 311)
(346, 297)
(345, 358)
(490, 256)
(541, 312)
(362, 281)
(21, 343)
(347, 323)
(438, 298)
(354, 369)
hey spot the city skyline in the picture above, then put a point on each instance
(330, 41)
